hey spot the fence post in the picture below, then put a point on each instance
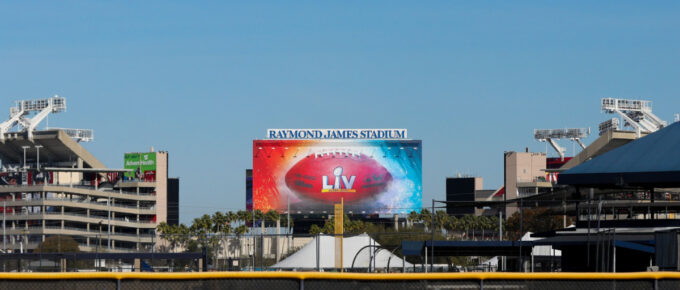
(481, 284)
(302, 284)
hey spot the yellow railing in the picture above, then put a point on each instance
(343, 276)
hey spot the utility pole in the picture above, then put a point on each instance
(432, 245)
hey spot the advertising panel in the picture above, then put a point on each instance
(142, 164)
(371, 176)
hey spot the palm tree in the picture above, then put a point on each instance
(259, 215)
(452, 224)
(231, 217)
(483, 222)
(426, 218)
(219, 223)
(244, 216)
(273, 216)
(200, 228)
(413, 217)
(440, 219)
(493, 220)
(467, 223)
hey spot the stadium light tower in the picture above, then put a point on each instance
(19, 117)
(551, 135)
(636, 113)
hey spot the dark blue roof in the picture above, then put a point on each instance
(653, 160)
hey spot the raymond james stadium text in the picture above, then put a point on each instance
(337, 133)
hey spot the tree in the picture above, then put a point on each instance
(244, 216)
(273, 216)
(200, 228)
(440, 219)
(176, 235)
(451, 224)
(220, 224)
(259, 216)
(58, 244)
(231, 217)
(534, 220)
(315, 230)
(413, 217)
(484, 224)
(426, 218)
(241, 230)
(349, 226)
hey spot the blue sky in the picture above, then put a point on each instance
(203, 79)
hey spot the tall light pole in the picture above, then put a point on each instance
(25, 147)
(37, 154)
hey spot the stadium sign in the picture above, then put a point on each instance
(292, 134)
(142, 164)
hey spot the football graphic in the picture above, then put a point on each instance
(327, 177)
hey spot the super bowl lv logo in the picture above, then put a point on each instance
(341, 182)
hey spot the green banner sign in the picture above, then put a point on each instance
(142, 164)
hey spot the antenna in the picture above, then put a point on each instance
(551, 135)
(636, 113)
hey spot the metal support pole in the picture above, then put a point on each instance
(425, 268)
(318, 261)
(532, 259)
(108, 228)
(4, 237)
(614, 253)
(432, 245)
(288, 225)
(37, 154)
(521, 234)
(597, 248)
(25, 147)
(252, 232)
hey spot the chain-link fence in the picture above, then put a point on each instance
(367, 252)
(330, 281)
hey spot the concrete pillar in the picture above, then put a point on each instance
(62, 265)
(137, 265)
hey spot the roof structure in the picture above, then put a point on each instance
(356, 253)
(467, 248)
(608, 141)
(651, 161)
(57, 147)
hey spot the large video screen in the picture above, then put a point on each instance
(370, 176)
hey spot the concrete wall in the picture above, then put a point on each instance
(161, 186)
(521, 167)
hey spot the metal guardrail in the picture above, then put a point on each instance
(317, 280)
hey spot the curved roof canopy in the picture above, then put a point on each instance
(651, 161)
